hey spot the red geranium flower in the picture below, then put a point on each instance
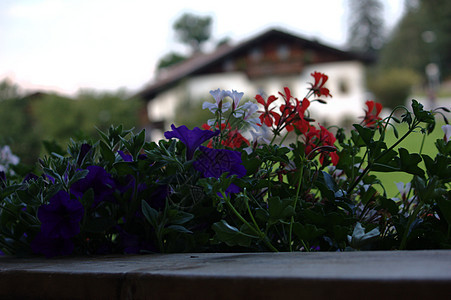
(323, 141)
(235, 139)
(268, 115)
(370, 119)
(318, 87)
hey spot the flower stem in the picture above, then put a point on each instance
(295, 201)
(255, 229)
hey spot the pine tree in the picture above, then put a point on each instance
(366, 26)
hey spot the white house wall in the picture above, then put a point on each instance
(342, 105)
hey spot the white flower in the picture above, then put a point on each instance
(403, 189)
(7, 158)
(247, 111)
(219, 96)
(447, 129)
(236, 97)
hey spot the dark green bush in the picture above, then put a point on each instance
(393, 87)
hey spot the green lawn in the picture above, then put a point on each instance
(412, 143)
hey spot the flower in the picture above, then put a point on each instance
(61, 217)
(323, 141)
(447, 130)
(404, 189)
(318, 88)
(236, 97)
(235, 139)
(191, 138)
(7, 158)
(370, 119)
(219, 96)
(215, 162)
(268, 114)
(99, 180)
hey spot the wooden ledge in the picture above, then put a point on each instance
(321, 275)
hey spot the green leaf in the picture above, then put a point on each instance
(125, 167)
(308, 232)
(365, 133)
(231, 235)
(409, 162)
(179, 217)
(359, 238)
(279, 209)
(53, 147)
(78, 176)
(389, 205)
(149, 213)
(421, 114)
(326, 184)
(106, 152)
(176, 228)
(445, 207)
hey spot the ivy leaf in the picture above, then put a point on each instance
(359, 238)
(365, 133)
(308, 232)
(231, 235)
(421, 114)
(326, 184)
(409, 162)
(279, 209)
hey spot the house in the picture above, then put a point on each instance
(263, 64)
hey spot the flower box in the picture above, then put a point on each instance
(321, 275)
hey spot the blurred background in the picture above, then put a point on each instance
(68, 67)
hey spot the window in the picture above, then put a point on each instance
(256, 54)
(283, 52)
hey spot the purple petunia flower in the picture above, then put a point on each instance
(51, 247)
(191, 138)
(125, 157)
(61, 217)
(99, 180)
(215, 162)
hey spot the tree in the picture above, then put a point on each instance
(9, 90)
(193, 30)
(422, 36)
(170, 59)
(366, 28)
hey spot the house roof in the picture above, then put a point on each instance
(202, 62)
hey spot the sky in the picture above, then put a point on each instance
(68, 45)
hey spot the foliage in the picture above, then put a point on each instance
(423, 36)
(193, 30)
(366, 26)
(221, 189)
(393, 86)
(18, 125)
(170, 59)
(25, 121)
